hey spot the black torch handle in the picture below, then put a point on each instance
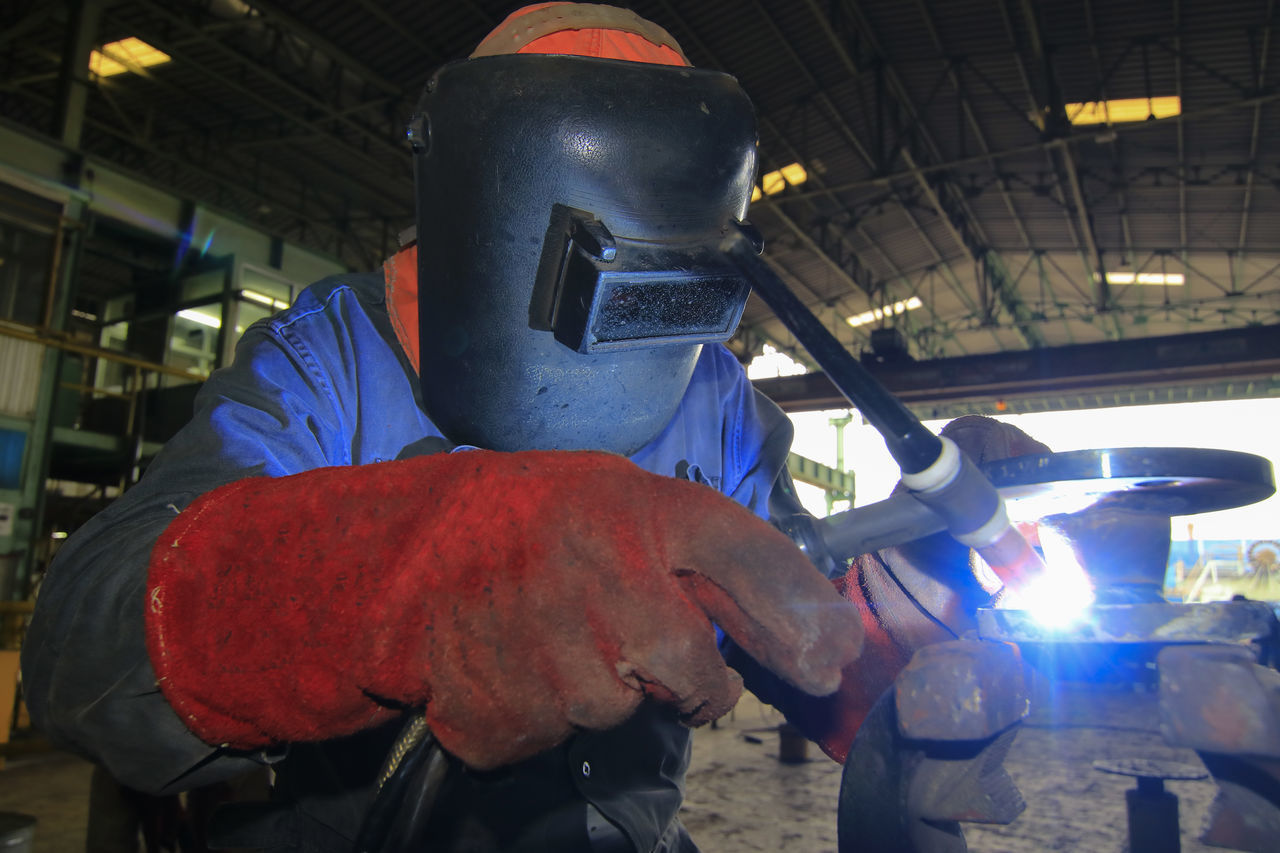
(912, 446)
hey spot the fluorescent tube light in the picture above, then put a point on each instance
(900, 307)
(200, 317)
(1157, 278)
(264, 299)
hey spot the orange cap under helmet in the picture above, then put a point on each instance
(582, 29)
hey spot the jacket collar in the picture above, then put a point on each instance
(400, 271)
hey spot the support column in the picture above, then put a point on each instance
(74, 88)
(73, 78)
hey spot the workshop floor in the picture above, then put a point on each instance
(742, 799)
(54, 789)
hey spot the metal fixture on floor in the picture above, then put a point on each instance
(1151, 810)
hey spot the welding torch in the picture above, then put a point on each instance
(946, 489)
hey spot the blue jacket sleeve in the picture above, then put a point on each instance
(87, 679)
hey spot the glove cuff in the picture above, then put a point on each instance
(894, 629)
(261, 606)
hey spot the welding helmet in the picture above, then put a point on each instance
(578, 190)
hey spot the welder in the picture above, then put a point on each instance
(512, 482)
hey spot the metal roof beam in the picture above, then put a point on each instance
(1005, 289)
(193, 167)
(844, 275)
(1259, 83)
(834, 117)
(954, 215)
(1034, 107)
(380, 201)
(380, 140)
(838, 122)
(1175, 360)
(833, 113)
(860, 278)
(1093, 258)
(73, 75)
(1042, 145)
(410, 37)
(1180, 127)
(856, 281)
(273, 13)
(1057, 124)
(1116, 142)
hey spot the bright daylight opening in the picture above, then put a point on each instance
(771, 364)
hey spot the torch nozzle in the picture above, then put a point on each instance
(974, 512)
(1013, 560)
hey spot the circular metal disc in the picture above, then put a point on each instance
(1161, 480)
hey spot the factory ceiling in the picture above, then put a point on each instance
(987, 176)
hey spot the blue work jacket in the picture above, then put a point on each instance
(326, 383)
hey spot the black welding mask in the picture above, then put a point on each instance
(575, 217)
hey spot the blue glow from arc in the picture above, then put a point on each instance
(208, 241)
(184, 243)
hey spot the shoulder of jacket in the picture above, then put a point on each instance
(363, 289)
(366, 287)
(718, 358)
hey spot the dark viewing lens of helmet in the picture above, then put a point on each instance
(599, 292)
(633, 310)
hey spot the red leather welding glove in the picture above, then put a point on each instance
(517, 596)
(909, 596)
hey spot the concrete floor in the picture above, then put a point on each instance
(54, 789)
(742, 799)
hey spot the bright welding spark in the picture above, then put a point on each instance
(1062, 594)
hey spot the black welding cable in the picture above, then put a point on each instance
(415, 747)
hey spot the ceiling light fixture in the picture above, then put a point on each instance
(1158, 278)
(264, 299)
(772, 183)
(125, 55)
(900, 307)
(200, 317)
(1122, 110)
